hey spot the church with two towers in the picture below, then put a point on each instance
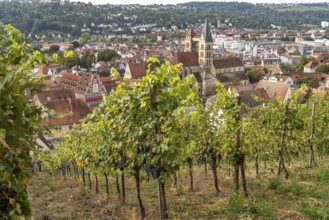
(198, 59)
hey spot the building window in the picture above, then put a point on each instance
(201, 54)
(202, 46)
(208, 47)
(187, 45)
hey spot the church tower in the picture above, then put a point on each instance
(205, 55)
(190, 41)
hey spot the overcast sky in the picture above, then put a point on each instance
(147, 2)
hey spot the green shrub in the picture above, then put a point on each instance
(323, 175)
(49, 184)
(274, 183)
(315, 192)
(236, 206)
(235, 203)
(294, 188)
(305, 176)
(314, 212)
(252, 209)
(216, 210)
(179, 190)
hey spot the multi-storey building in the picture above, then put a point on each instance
(87, 87)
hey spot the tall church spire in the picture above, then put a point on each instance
(206, 34)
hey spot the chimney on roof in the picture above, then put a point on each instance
(70, 104)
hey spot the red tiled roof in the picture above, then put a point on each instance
(228, 62)
(108, 79)
(188, 59)
(47, 96)
(44, 69)
(138, 70)
(111, 85)
(296, 75)
(260, 92)
(222, 78)
(67, 111)
(312, 64)
(273, 89)
(75, 82)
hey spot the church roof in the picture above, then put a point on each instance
(227, 62)
(198, 77)
(231, 77)
(188, 59)
(206, 33)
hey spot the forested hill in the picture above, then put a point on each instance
(73, 18)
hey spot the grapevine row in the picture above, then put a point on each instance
(161, 124)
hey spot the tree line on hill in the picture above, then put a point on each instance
(51, 19)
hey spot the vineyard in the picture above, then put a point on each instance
(164, 150)
(152, 130)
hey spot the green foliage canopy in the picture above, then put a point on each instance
(322, 68)
(107, 55)
(20, 119)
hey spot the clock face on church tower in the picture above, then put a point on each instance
(95, 87)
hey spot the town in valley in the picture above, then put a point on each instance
(197, 110)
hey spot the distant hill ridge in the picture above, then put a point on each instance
(73, 18)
